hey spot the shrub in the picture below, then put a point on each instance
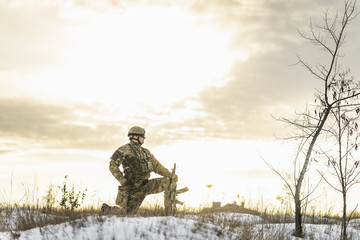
(71, 199)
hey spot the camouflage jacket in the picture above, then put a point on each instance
(137, 163)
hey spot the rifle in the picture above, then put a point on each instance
(171, 201)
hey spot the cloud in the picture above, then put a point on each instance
(5, 151)
(264, 84)
(27, 124)
(240, 108)
(262, 25)
(56, 126)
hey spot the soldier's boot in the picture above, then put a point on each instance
(105, 209)
(122, 200)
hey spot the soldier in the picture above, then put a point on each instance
(137, 163)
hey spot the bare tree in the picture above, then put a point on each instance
(345, 167)
(291, 179)
(329, 36)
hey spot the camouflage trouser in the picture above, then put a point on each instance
(132, 199)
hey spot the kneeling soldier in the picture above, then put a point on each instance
(137, 163)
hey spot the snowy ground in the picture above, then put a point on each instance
(222, 226)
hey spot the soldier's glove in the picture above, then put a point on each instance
(174, 178)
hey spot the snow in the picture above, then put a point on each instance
(120, 228)
(196, 227)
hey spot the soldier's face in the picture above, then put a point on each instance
(141, 139)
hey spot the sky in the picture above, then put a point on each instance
(204, 78)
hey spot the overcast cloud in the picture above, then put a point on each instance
(56, 126)
(240, 108)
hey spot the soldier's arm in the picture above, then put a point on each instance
(158, 168)
(115, 162)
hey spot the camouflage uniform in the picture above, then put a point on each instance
(137, 163)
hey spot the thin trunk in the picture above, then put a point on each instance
(342, 177)
(298, 215)
(298, 219)
(343, 224)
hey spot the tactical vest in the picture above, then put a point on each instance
(137, 166)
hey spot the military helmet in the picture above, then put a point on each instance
(137, 131)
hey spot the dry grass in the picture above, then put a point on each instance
(44, 211)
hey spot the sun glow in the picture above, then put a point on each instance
(154, 52)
